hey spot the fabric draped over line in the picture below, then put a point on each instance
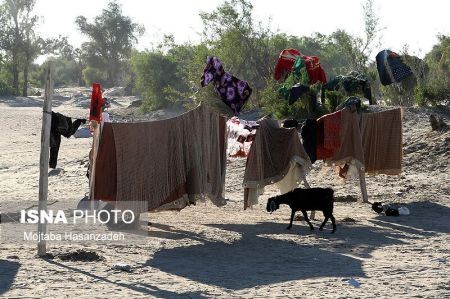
(382, 142)
(372, 141)
(327, 142)
(166, 164)
(351, 148)
(276, 156)
(232, 91)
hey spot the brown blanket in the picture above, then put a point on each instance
(159, 162)
(372, 140)
(270, 156)
(382, 141)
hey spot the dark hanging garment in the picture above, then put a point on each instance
(308, 133)
(391, 67)
(61, 125)
(297, 91)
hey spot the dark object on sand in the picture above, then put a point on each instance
(80, 255)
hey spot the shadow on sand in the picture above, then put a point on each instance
(8, 272)
(253, 260)
(261, 255)
(141, 287)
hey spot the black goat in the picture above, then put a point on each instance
(320, 199)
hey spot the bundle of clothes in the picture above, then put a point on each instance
(379, 208)
(291, 60)
(350, 83)
(231, 90)
(241, 134)
(297, 72)
(160, 165)
(370, 141)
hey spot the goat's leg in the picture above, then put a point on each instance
(305, 215)
(327, 216)
(334, 224)
(292, 219)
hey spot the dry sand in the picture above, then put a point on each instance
(205, 251)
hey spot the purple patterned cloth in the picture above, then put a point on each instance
(232, 91)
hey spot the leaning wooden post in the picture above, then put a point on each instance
(362, 183)
(43, 164)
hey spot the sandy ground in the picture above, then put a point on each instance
(205, 251)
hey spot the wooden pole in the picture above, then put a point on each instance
(362, 183)
(43, 162)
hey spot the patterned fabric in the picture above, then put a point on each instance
(232, 91)
(391, 67)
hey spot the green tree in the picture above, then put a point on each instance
(112, 36)
(19, 39)
(14, 15)
(243, 45)
(155, 75)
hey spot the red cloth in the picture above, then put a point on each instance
(328, 135)
(285, 63)
(314, 69)
(96, 103)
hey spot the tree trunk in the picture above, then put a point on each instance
(25, 75)
(15, 54)
(15, 71)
